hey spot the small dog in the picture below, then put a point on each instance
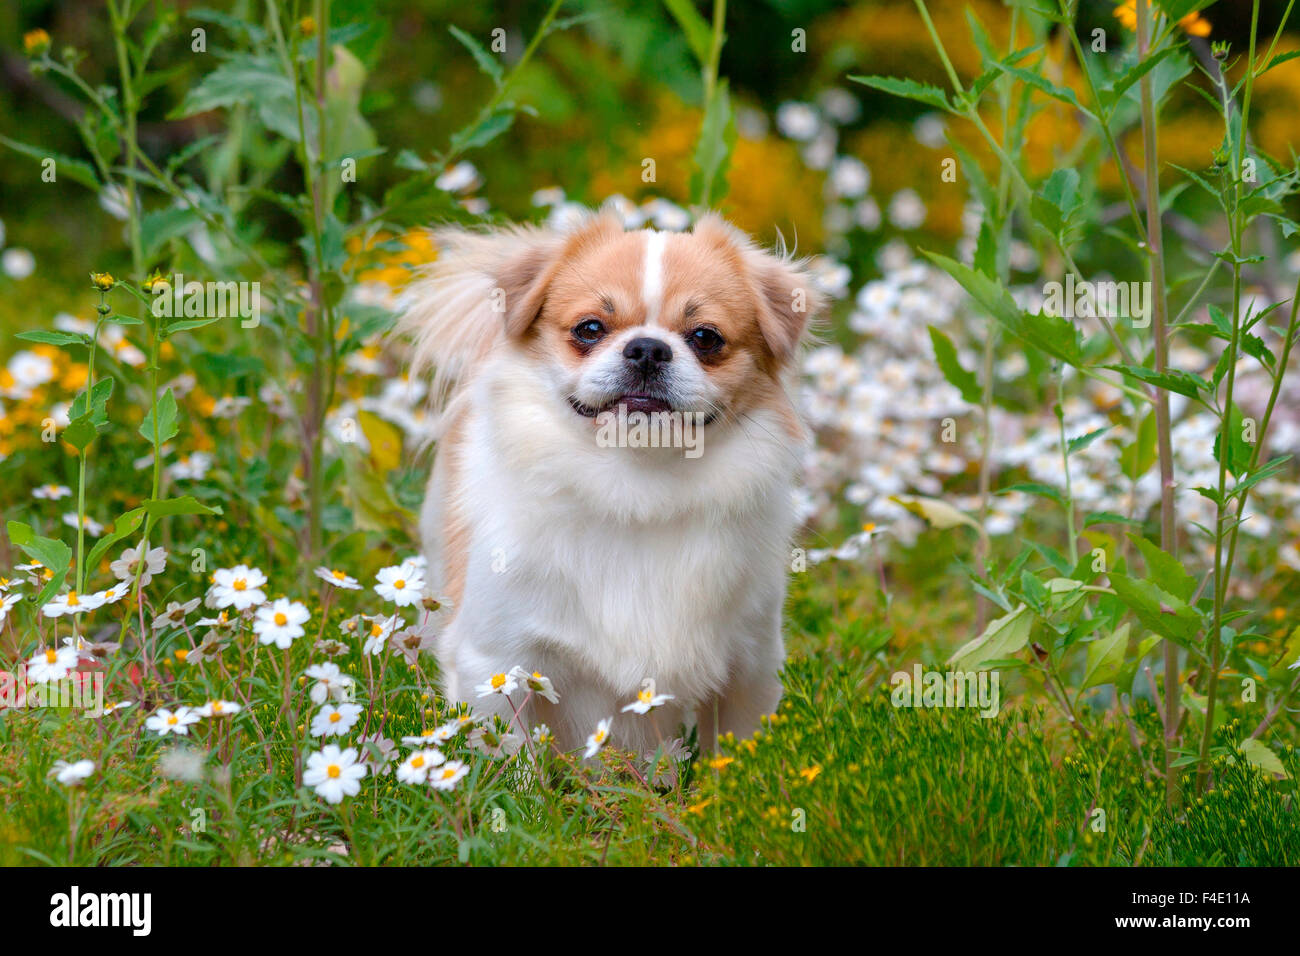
(615, 571)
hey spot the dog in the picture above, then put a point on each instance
(614, 571)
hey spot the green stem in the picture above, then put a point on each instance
(1164, 446)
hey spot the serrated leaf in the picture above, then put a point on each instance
(485, 60)
(167, 428)
(1164, 569)
(906, 88)
(53, 337)
(945, 354)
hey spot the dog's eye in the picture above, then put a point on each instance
(705, 340)
(589, 331)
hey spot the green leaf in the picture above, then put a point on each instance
(51, 553)
(167, 428)
(1040, 82)
(1113, 92)
(1051, 334)
(1105, 658)
(908, 89)
(1258, 754)
(1157, 609)
(945, 354)
(186, 324)
(713, 150)
(186, 505)
(1173, 380)
(699, 35)
(1033, 488)
(1164, 569)
(50, 337)
(1003, 637)
(485, 60)
(1080, 442)
(1239, 451)
(1136, 459)
(483, 131)
(1279, 60)
(938, 513)
(124, 525)
(241, 79)
(75, 169)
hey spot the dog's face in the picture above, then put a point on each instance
(699, 322)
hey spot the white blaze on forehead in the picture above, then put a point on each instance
(652, 288)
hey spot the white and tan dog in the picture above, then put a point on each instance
(598, 566)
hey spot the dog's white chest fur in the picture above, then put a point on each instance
(606, 567)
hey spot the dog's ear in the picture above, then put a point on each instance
(786, 296)
(525, 277)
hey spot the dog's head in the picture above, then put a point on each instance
(701, 322)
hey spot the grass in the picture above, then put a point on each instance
(838, 776)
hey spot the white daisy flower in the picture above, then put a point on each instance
(192, 467)
(503, 684)
(330, 683)
(220, 708)
(111, 595)
(239, 587)
(415, 768)
(6, 602)
(332, 721)
(7, 584)
(334, 773)
(338, 579)
(51, 665)
(378, 633)
(402, 584)
(124, 568)
(542, 735)
(71, 603)
(89, 523)
(598, 738)
(432, 735)
(166, 721)
(280, 623)
(647, 700)
(537, 683)
(72, 774)
(448, 775)
(51, 492)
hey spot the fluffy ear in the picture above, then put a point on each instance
(787, 298)
(458, 308)
(525, 278)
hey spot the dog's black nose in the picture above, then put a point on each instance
(648, 353)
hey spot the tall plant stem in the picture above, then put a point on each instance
(1222, 569)
(1164, 446)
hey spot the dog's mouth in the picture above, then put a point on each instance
(635, 402)
(632, 402)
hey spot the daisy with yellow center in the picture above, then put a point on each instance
(597, 738)
(503, 684)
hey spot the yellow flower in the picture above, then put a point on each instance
(810, 773)
(719, 763)
(102, 281)
(1193, 24)
(698, 808)
(307, 26)
(36, 42)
